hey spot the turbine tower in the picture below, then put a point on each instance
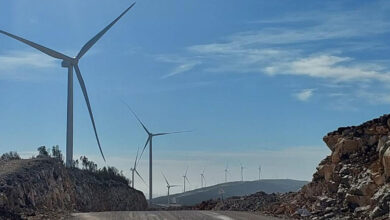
(242, 172)
(134, 170)
(72, 63)
(185, 179)
(259, 171)
(168, 186)
(149, 141)
(202, 179)
(226, 172)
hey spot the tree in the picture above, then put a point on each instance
(84, 162)
(42, 151)
(75, 164)
(56, 152)
(88, 165)
(12, 155)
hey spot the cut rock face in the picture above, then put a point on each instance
(354, 180)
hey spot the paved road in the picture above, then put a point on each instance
(170, 215)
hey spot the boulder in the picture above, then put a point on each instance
(386, 162)
(345, 146)
(326, 171)
(331, 141)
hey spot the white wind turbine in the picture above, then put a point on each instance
(134, 170)
(226, 172)
(168, 186)
(149, 140)
(242, 172)
(259, 171)
(185, 179)
(202, 179)
(70, 63)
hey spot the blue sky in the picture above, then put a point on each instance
(259, 82)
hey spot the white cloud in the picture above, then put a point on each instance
(375, 97)
(315, 46)
(253, 51)
(330, 67)
(184, 67)
(26, 66)
(17, 59)
(304, 95)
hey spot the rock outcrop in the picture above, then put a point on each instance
(30, 187)
(353, 182)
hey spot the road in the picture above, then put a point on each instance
(170, 215)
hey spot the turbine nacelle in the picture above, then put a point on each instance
(69, 63)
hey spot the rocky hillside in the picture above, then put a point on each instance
(353, 182)
(254, 202)
(34, 186)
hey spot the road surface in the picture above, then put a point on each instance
(170, 215)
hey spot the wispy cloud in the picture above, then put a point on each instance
(330, 67)
(319, 45)
(182, 64)
(184, 67)
(304, 95)
(25, 65)
(17, 59)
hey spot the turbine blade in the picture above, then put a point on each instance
(174, 185)
(139, 175)
(84, 89)
(188, 180)
(41, 48)
(139, 120)
(186, 172)
(146, 144)
(175, 132)
(136, 157)
(91, 42)
(165, 179)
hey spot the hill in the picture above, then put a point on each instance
(230, 189)
(33, 187)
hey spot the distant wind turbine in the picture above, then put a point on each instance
(226, 172)
(168, 186)
(202, 179)
(242, 172)
(134, 170)
(72, 63)
(149, 140)
(185, 179)
(259, 171)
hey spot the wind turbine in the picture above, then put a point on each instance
(259, 171)
(242, 172)
(226, 172)
(72, 63)
(202, 179)
(134, 170)
(185, 178)
(149, 140)
(168, 186)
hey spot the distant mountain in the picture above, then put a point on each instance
(230, 189)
